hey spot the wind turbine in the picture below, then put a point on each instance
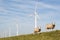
(17, 29)
(17, 26)
(9, 31)
(36, 29)
(4, 33)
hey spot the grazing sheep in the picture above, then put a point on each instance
(36, 30)
(50, 26)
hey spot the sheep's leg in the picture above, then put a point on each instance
(47, 30)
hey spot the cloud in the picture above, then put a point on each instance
(44, 5)
(0, 2)
(1, 9)
(19, 8)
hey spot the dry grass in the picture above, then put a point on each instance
(53, 35)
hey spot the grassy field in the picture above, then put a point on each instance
(53, 35)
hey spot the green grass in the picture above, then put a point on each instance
(53, 35)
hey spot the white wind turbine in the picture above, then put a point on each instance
(36, 29)
(17, 26)
(9, 31)
(4, 33)
(17, 29)
(35, 16)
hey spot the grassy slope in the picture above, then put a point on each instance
(53, 35)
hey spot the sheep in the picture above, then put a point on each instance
(50, 26)
(37, 30)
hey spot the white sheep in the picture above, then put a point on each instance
(36, 30)
(50, 26)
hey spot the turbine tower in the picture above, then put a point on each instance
(9, 31)
(17, 28)
(35, 19)
(36, 15)
(17, 25)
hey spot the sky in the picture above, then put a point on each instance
(21, 12)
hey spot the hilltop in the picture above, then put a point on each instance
(52, 35)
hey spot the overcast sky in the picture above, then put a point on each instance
(21, 12)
